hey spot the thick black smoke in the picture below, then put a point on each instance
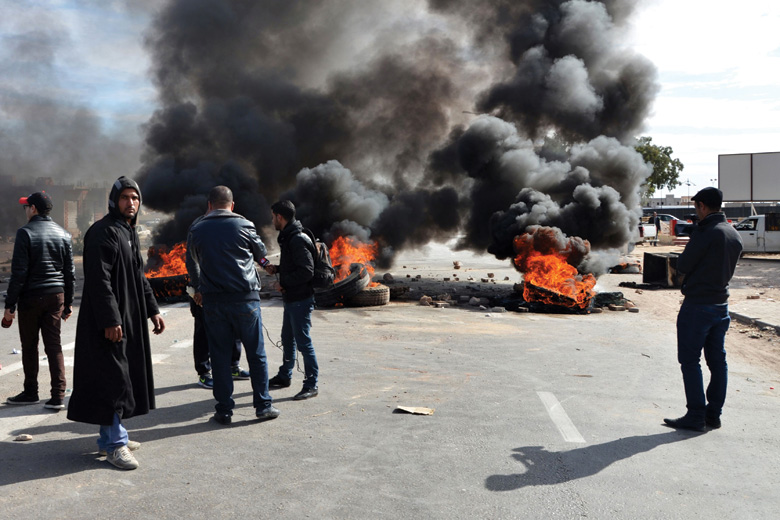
(361, 113)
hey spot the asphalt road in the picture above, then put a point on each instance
(536, 416)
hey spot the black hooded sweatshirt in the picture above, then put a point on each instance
(111, 377)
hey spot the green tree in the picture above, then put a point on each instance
(666, 170)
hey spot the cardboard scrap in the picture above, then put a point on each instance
(417, 410)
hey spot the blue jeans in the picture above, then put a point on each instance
(703, 327)
(296, 324)
(112, 436)
(225, 323)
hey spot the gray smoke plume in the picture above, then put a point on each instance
(46, 130)
(359, 112)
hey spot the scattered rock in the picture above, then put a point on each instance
(753, 297)
(474, 301)
(491, 275)
(639, 291)
(23, 437)
(506, 278)
(456, 265)
(524, 309)
(614, 307)
(484, 280)
(498, 310)
(446, 278)
(633, 309)
(388, 278)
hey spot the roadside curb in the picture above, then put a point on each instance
(747, 320)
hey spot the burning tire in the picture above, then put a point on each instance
(370, 296)
(338, 293)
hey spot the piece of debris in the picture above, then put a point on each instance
(506, 278)
(753, 297)
(456, 265)
(441, 305)
(639, 291)
(498, 310)
(446, 278)
(614, 307)
(755, 335)
(491, 275)
(416, 410)
(464, 298)
(426, 300)
(387, 278)
(484, 280)
(474, 301)
(633, 309)
(23, 437)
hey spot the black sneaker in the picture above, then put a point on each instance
(239, 374)
(306, 393)
(205, 381)
(269, 412)
(22, 398)
(223, 418)
(712, 422)
(54, 404)
(279, 382)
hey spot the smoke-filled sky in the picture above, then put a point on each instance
(365, 112)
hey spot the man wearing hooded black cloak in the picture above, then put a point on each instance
(112, 372)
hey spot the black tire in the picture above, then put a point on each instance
(357, 280)
(370, 296)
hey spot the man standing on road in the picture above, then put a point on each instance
(200, 341)
(296, 271)
(708, 263)
(224, 248)
(43, 280)
(657, 224)
(112, 372)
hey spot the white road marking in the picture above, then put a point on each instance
(182, 344)
(559, 418)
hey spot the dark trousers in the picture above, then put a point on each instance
(226, 322)
(702, 327)
(200, 343)
(42, 314)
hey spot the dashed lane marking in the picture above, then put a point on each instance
(560, 418)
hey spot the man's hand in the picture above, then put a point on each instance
(198, 299)
(67, 313)
(8, 318)
(271, 269)
(159, 324)
(114, 334)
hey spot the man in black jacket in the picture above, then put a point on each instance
(112, 370)
(296, 270)
(224, 247)
(708, 263)
(42, 284)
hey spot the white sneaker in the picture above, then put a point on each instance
(131, 445)
(122, 458)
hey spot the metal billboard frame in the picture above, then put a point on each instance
(749, 177)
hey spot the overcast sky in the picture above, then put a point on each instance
(718, 63)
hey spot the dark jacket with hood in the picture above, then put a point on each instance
(112, 377)
(42, 262)
(709, 260)
(223, 247)
(296, 265)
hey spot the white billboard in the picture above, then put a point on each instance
(749, 177)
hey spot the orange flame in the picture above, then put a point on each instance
(173, 263)
(549, 278)
(346, 251)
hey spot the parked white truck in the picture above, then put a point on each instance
(760, 233)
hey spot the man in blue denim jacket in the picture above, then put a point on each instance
(708, 263)
(224, 247)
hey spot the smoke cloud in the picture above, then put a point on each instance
(364, 114)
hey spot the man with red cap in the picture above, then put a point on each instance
(42, 285)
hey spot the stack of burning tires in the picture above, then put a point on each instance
(356, 290)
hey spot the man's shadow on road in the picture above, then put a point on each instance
(546, 468)
(43, 459)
